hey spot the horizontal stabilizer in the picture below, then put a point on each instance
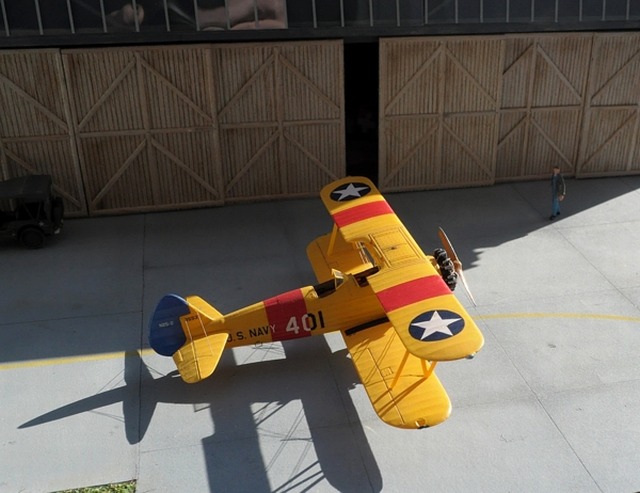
(191, 331)
(170, 327)
(197, 360)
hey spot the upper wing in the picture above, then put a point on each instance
(404, 390)
(430, 321)
(357, 207)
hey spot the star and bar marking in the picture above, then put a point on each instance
(350, 191)
(436, 325)
(356, 213)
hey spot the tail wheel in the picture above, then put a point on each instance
(447, 269)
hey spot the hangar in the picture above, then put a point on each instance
(143, 105)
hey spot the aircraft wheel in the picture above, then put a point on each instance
(447, 269)
(32, 237)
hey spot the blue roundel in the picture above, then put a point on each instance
(350, 191)
(436, 325)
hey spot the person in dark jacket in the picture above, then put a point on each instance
(558, 192)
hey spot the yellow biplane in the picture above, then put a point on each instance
(392, 303)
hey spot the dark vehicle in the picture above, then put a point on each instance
(29, 211)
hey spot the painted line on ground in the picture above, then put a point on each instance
(83, 358)
(145, 352)
(595, 316)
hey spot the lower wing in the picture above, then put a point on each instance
(404, 390)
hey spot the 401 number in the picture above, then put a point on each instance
(307, 322)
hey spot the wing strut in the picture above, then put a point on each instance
(427, 370)
(400, 368)
(332, 241)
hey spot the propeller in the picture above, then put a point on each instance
(457, 264)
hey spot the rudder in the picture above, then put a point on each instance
(169, 331)
(185, 329)
(165, 330)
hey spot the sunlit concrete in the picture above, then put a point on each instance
(551, 403)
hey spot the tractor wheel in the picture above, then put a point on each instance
(32, 237)
(57, 212)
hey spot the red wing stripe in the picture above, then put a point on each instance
(281, 309)
(361, 212)
(410, 292)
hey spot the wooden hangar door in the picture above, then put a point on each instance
(281, 117)
(439, 101)
(543, 92)
(611, 136)
(35, 132)
(145, 127)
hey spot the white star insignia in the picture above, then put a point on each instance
(350, 191)
(436, 324)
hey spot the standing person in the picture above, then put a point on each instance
(558, 191)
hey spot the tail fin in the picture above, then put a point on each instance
(187, 330)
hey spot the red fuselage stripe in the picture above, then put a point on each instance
(361, 212)
(410, 292)
(281, 310)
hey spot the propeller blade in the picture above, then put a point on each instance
(457, 264)
(448, 247)
(465, 285)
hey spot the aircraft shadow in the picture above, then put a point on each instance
(241, 400)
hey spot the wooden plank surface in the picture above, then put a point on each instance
(35, 135)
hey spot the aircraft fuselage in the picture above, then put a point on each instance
(304, 312)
